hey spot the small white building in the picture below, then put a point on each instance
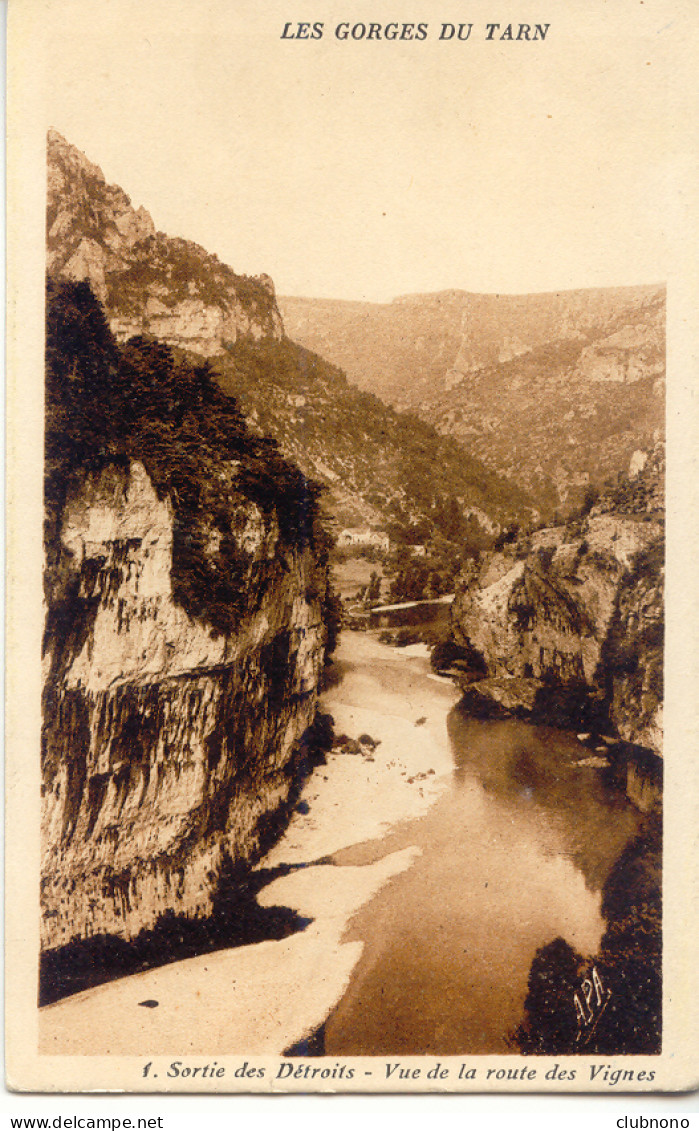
(638, 461)
(363, 536)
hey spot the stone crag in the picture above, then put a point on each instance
(165, 745)
(147, 282)
(187, 623)
(568, 622)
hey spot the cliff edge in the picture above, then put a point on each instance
(187, 622)
(148, 283)
(567, 623)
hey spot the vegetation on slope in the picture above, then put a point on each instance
(381, 466)
(107, 404)
(552, 390)
(628, 964)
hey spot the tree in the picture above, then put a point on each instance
(373, 592)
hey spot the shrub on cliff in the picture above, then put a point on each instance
(107, 404)
(82, 365)
(447, 654)
(631, 949)
(628, 964)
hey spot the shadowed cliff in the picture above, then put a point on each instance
(188, 615)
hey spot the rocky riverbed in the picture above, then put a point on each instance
(264, 997)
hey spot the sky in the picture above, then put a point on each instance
(357, 170)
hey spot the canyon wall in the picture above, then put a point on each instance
(148, 282)
(166, 745)
(553, 391)
(567, 623)
(373, 462)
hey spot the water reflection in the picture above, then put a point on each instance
(512, 856)
(574, 805)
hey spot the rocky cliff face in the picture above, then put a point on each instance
(187, 597)
(553, 390)
(165, 745)
(147, 282)
(370, 459)
(570, 620)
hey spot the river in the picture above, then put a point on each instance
(512, 855)
(425, 876)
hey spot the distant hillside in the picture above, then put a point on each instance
(556, 390)
(380, 466)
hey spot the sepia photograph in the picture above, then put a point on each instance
(339, 676)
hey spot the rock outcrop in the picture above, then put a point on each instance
(165, 745)
(553, 391)
(187, 592)
(569, 621)
(147, 282)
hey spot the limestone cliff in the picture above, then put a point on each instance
(553, 391)
(186, 626)
(377, 466)
(165, 744)
(569, 621)
(147, 282)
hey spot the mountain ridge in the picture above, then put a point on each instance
(556, 388)
(173, 290)
(148, 282)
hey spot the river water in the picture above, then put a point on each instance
(511, 856)
(510, 837)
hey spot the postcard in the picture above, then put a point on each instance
(351, 541)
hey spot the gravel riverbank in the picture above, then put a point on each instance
(263, 998)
